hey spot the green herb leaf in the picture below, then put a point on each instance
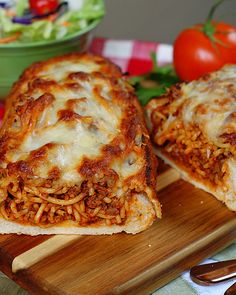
(145, 94)
(154, 62)
(154, 83)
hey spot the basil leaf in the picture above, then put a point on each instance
(155, 83)
(145, 94)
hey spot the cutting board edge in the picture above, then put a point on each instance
(169, 270)
(209, 246)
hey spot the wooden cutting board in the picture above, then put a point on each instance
(194, 226)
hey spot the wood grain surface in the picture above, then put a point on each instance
(194, 226)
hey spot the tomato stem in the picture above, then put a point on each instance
(209, 28)
(213, 9)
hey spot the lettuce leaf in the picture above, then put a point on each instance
(21, 6)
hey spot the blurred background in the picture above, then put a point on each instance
(158, 20)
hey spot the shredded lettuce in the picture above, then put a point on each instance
(42, 30)
(21, 6)
(7, 27)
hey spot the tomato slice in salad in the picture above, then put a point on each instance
(41, 7)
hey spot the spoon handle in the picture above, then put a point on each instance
(212, 273)
(231, 290)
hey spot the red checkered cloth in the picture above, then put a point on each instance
(130, 55)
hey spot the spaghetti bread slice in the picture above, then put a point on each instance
(75, 155)
(194, 129)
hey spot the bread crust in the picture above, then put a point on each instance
(74, 149)
(141, 217)
(194, 129)
(188, 176)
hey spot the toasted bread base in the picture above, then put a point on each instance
(227, 198)
(141, 216)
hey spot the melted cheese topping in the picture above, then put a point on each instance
(209, 103)
(60, 71)
(72, 139)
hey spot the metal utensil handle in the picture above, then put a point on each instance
(231, 290)
(212, 273)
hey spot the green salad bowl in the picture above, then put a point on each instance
(15, 57)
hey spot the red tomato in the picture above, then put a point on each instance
(41, 7)
(226, 34)
(196, 53)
